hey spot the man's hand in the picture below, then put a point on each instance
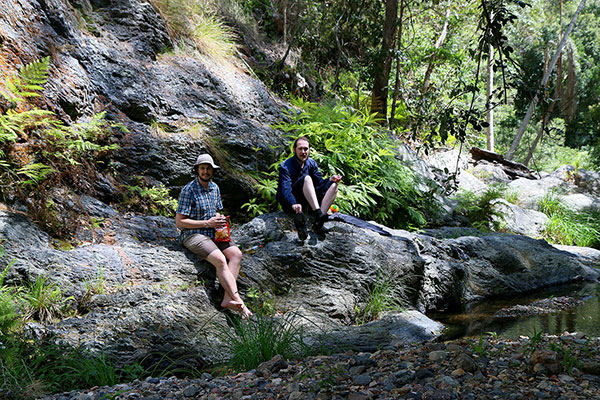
(335, 178)
(297, 208)
(218, 221)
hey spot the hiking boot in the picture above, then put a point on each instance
(320, 219)
(300, 223)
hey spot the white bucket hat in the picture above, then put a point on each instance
(205, 159)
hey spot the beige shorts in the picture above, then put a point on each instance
(202, 245)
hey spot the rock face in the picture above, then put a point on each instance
(157, 298)
(140, 295)
(111, 55)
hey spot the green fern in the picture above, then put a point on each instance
(28, 82)
(15, 123)
(34, 173)
(343, 140)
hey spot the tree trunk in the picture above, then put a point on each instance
(384, 61)
(437, 45)
(545, 78)
(397, 79)
(547, 114)
(490, 92)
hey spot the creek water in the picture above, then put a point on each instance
(479, 318)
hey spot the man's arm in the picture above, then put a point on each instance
(285, 186)
(184, 221)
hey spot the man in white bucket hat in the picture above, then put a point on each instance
(198, 216)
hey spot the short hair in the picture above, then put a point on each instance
(301, 138)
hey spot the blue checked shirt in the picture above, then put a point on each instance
(200, 204)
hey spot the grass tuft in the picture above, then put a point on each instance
(387, 294)
(261, 338)
(568, 227)
(195, 26)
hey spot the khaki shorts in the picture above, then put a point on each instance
(202, 245)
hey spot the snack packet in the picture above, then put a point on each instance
(223, 234)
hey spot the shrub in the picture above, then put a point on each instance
(375, 184)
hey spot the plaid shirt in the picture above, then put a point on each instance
(200, 204)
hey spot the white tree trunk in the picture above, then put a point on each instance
(490, 109)
(545, 78)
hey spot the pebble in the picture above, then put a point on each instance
(434, 371)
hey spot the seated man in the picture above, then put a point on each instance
(197, 216)
(301, 184)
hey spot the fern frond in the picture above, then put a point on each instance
(28, 82)
(36, 172)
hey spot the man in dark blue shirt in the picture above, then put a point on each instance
(301, 184)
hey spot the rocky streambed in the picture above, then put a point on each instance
(564, 367)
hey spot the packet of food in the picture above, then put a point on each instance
(223, 234)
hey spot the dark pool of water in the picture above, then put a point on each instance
(479, 318)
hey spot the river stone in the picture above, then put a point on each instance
(520, 220)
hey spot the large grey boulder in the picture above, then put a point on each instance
(520, 220)
(157, 298)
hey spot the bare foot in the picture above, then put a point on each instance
(246, 313)
(233, 305)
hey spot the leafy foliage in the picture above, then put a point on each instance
(568, 227)
(479, 209)
(375, 184)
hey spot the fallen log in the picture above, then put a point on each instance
(512, 169)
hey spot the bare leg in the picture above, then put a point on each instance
(226, 279)
(329, 197)
(234, 260)
(309, 193)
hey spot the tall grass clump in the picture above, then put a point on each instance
(568, 227)
(386, 294)
(45, 301)
(195, 25)
(252, 342)
(375, 184)
(31, 370)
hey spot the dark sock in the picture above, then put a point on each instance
(320, 219)
(300, 223)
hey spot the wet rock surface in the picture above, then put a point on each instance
(544, 306)
(551, 367)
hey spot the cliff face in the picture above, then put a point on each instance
(110, 55)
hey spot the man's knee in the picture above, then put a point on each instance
(217, 259)
(308, 181)
(233, 253)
